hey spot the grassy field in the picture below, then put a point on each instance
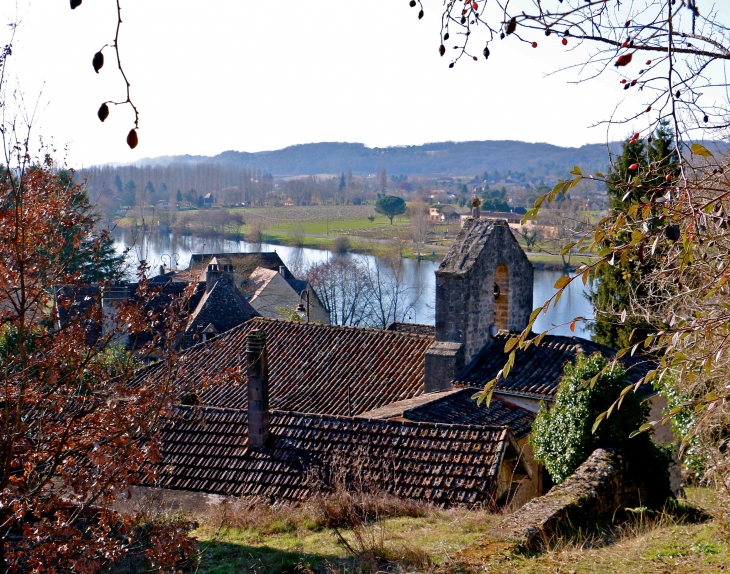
(289, 540)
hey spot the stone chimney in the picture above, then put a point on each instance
(111, 298)
(483, 285)
(216, 272)
(258, 389)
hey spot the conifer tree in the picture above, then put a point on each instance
(612, 285)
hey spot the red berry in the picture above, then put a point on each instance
(633, 167)
(626, 43)
(648, 62)
(623, 60)
(623, 81)
(565, 41)
(534, 44)
(669, 177)
(475, 58)
(636, 136)
(475, 6)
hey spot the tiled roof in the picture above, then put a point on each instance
(460, 408)
(223, 307)
(538, 370)
(312, 367)
(243, 262)
(413, 328)
(457, 407)
(205, 449)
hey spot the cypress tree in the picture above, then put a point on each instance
(613, 285)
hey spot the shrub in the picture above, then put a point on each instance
(341, 245)
(562, 436)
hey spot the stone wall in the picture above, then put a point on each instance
(596, 490)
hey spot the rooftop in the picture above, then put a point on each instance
(205, 449)
(538, 370)
(312, 367)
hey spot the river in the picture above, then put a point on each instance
(175, 250)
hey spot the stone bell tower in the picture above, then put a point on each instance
(483, 285)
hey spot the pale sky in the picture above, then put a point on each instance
(247, 75)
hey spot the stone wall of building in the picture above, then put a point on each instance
(484, 254)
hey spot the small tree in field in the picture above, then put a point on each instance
(563, 436)
(390, 206)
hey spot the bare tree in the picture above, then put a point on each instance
(390, 298)
(342, 284)
(420, 224)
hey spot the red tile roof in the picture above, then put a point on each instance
(205, 449)
(312, 368)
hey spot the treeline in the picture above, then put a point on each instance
(116, 186)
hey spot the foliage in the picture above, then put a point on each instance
(341, 245)
(494, 200)
(613, 286)
(85, 251)
(390, 206)
(74, 433)
(562, 436)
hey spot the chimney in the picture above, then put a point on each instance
(111, 298)
(282, 271)
(212, 275)
(258, 389)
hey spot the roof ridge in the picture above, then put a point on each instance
(335, 326)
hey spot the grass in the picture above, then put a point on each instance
(653, 546)
(284, 547)
(420, 538)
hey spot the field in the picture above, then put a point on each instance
(425, 539)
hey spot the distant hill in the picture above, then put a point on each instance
(444, 158)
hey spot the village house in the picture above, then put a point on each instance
(271, 293)
(442, 213)
(265, 282)
(215, 307)
(297, 399)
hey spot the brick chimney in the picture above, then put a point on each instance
(258, 389)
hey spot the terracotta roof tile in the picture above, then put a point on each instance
(312, 367)
(442, 463)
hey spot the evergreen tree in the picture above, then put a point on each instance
(84, 250)
(343, 183)
(612, 286)
(179, 196)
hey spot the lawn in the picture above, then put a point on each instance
(289, 540)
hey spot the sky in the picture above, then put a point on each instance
(251, 76)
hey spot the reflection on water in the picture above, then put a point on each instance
(175, 250)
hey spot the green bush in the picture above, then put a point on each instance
(562, 436)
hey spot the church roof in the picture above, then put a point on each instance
(206, 449)
(537, 371)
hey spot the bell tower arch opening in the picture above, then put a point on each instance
(501, 297)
